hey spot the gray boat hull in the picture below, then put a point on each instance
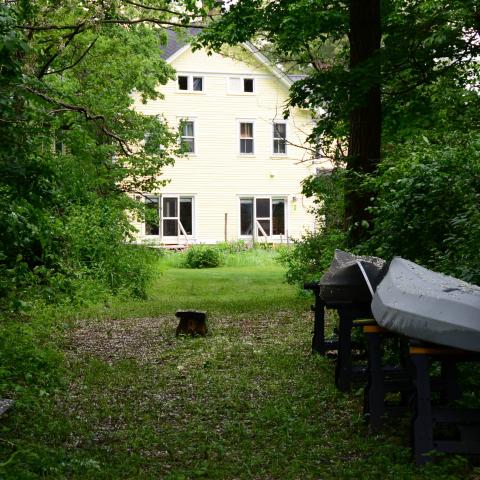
(429, 306)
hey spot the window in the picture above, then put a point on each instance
(198, 84)
(188, 135)
(182, 83)
(188, 83)
(248, 85)
(246, 216)
(152, 213)
(173, 219)
(246, 137)
(280, 138)
(262, 216)
(241, 85)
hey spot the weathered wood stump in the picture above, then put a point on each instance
(192, 323)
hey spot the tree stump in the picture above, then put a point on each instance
(191, 323)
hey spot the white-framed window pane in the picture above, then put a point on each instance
(265, 224)
(279, 146)
(246, 137)
(279, 130)
(170, 228)
(151, 222)
(188, 136)
(197, 84)
(170, 207)
(188, 145)
(246, 216)
(246, 130)
(188, 129)
(262, 208)
(186, 214)
(234, 84)
(248, 85)
(246, 145)
(279, 138)
(278, 216)
(182, 82)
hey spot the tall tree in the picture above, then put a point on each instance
(71, 146)
(390, 50)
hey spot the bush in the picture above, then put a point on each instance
(310, 256)
(427, 206)
(203, 257)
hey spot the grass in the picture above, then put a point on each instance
(248, 401)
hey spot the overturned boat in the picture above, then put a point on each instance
(418, 303)
(350, 278)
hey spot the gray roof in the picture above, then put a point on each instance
(177, 40)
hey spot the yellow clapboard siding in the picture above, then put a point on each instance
(217, 175)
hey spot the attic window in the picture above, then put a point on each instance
(182, 83)
(197, 84)
(241, 85)
(187, 83)
(248, 85)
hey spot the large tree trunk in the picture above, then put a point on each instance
(365, 119)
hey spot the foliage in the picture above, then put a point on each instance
(311, 255)
(368, 79)
(427, 206)
(72, 148)
(201, 256)
(249, 401)
(29, 362)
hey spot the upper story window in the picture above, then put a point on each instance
(279, 138)
(246, 138)
(188, 135)
(190, 83)
(241, 85)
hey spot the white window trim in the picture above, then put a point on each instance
(285, 198)
(190, 83)
(245, 120)
(274, 154)
(230, 91)
(186, 118)
(160, 237)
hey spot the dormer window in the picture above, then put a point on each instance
(241, 85)
(190, 83)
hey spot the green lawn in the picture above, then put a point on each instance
(248, 401)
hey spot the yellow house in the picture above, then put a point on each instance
(241, 178)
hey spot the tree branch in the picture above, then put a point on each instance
(98, 119)
(147, 7)
(70, 37)
(118, 21)
(84, 54)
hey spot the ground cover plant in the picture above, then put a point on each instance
(248, 401)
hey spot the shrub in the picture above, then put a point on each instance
(203, 257)
(310, 256)
(427, 206)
